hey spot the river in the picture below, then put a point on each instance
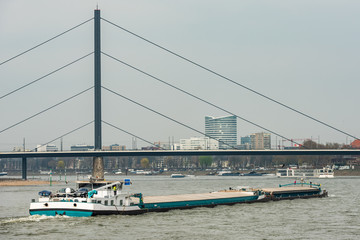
(334, 217)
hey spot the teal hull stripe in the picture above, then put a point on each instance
(199, 203)
(62, 213)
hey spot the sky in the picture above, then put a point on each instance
(304, 54)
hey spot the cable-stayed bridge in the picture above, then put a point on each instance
(98, 87)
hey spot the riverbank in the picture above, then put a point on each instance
(19, 182)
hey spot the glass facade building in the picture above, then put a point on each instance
(223, 129)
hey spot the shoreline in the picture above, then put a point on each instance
(4, 182)
(9, 182)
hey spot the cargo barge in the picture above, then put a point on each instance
(294, 190)
(105, 198)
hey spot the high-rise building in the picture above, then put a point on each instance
(222, 129)
(245, 143)
(260, 141)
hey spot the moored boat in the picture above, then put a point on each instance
(228, 173)
(177, 175)
(325, 172)
(252, 174)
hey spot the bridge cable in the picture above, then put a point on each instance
(198, 98)
(63, 135)
(163, 115)
(132, 134)
(36, 80)
(46, 110)
(232, 81)
(46, 41)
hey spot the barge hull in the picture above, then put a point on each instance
(166, 206)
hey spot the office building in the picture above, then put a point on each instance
(114, 147)
(223, 129)
(260, 141)
(199, 143)
(46, 148)
(245, 143)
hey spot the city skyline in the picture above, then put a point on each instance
(302, 54)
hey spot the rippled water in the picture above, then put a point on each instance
(335, 217)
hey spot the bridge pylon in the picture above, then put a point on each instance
(98, 162)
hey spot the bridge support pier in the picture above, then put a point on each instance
(24, 168)
(98, 163)
(98, 168)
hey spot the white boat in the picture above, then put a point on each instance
(142, 172)
(228, 173)
(325, 172)
(3, 173)
(177, 175)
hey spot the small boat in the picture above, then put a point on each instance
(228, 173)
(3, 173)
(253, 174)
(325, 172)
(177, 175)
(268, 174)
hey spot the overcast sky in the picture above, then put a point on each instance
(302, 53)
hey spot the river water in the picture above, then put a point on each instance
(335, 217)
